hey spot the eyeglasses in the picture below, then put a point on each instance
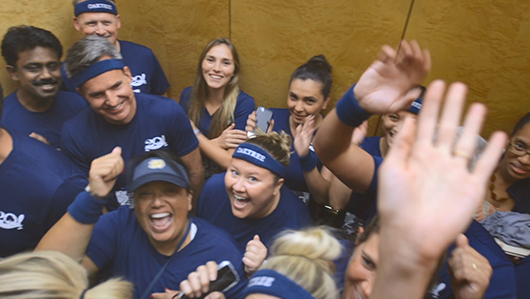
(518, 149)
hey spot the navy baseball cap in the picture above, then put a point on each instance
(157, 169)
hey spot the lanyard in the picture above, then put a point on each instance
(159, 274)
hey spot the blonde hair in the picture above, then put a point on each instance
(306, 257)
(277, 145)
(53, 275)
(200, 93)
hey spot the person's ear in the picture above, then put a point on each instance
(118, 22)
(76, 24)
(360, 231)
(278, 186)
(127, 73)
(190, 197)
(12, 72)
(326, 102)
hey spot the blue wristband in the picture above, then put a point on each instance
(349, 111)
(86, 209)
(308, 162)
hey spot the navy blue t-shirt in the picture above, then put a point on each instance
(502, 283)
(244, 107)
(121, 246)
(37, 184)
(48, 123)
(147, 74)
(294, 177)
(214, 205)
(159, 123)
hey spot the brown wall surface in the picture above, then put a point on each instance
(481, 42)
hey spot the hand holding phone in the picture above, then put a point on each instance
(227, 278)
(263, 118)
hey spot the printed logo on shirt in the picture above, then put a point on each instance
(263, 281)
(99, 5)
(253, 154)
(156, 164)
(437, 289)
(123, 198)
(11, 221)
(137, 81)
(155, 143)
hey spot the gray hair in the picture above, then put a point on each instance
(88, 51)
(75, 2)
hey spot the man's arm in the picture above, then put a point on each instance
(72, 233)
(193, 162)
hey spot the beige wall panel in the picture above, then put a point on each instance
(176, 30)
(483, 43)
(274, 37)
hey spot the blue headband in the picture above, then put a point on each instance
(416, 106)
(95, 6)
(97, 69)
(258, 156)
(273, 283)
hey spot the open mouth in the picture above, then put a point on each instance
(518, 169)
(115, 108)
(216, 77)
(160, 221)
(240, 202)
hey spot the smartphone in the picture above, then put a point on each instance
(227, 278)
(263, 117)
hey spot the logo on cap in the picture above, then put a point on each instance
(416, 105)
(156, 164)
(263, 281)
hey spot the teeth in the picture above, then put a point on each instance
(117, 107)
(160, 215)
(215, 77)
(237, 197)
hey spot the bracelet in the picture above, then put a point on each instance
(308, 162)
(349, 111)
(197, 132)
(86, 209)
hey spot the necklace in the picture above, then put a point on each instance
(492, 191)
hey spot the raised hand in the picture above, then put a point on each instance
(304, 136)
(231, 138)
(388, 84)
(255, 254)
(198, 282)
(470, 271)
(427, 195)
(104, 172)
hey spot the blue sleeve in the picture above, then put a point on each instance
(243, 109)
(63, 197)
(70, 149)
(103, 244)
(159, 82)
(522, 276)
(185, 99)
(183, 140)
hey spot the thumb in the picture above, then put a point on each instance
(256, 238)
(231, 127)
(117, 150)
(462, 241)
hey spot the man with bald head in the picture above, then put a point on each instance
(100, 17)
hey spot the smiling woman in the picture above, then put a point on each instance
(250, 198)
(216, 106)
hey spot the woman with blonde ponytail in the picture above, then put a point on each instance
(216, 106)
(300, 265)
(53, 275)
(250, 200)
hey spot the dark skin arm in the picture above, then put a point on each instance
(193, 163)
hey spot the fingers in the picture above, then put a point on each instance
(462, 241)
(39, 138)
(428, 117)
(451, 115)
(387, 54)
(212, 270)
(402, 148)
(107, 167)
(487, 163)
(251, 122)
(465, 146)
(271, 125)
(255, 254)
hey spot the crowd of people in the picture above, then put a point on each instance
(110, 189)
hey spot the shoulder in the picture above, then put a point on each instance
(215, 182)
(10, 98)
(80, 122)
(185, 97)
(243, 96)
(127, 46)
(40, 155)
(292, 205)
(11, 104)
(212, 234)
(156, 104)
